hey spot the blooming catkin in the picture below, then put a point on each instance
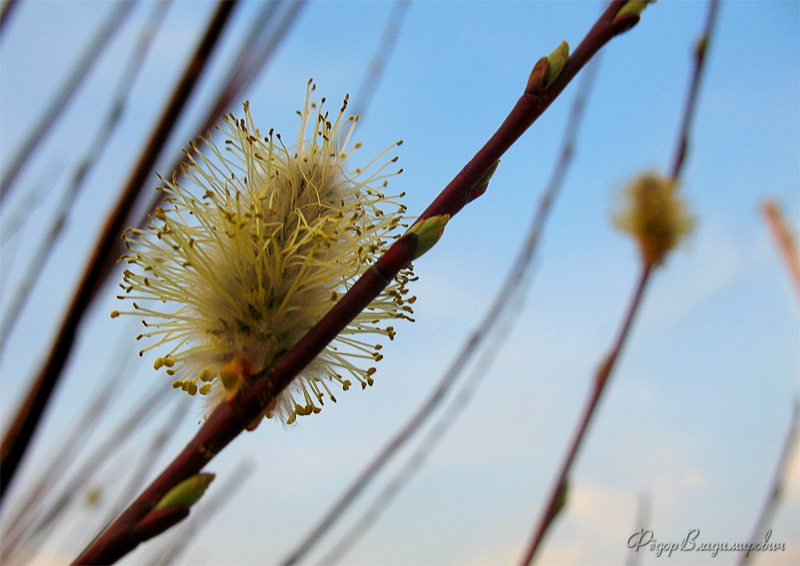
(655, 215)
(243, 264)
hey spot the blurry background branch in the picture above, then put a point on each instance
(65, 94)
(784, 240)
(559, 494)
(82, 169)
(19, 433)
(777, 487)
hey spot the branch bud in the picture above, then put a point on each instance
(428, 232)
(547, 69)
(629, 15)
(186, 493)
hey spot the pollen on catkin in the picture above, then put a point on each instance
(655, 215)
(255, 248)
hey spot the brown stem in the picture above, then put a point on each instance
(229, 419)
(508, 291)
(784, 240)
(777, 485)
(558, 495)
(21, 430)
(64, 95)
(701, 49)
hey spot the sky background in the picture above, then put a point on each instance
(699, 406)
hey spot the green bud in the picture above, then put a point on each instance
(428, 232)
(635, 7)
(186, 493)
(628, 16)
(561, 498)
(480, 186)
(557, 60)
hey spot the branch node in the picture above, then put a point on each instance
(628, 16)
(547, 69)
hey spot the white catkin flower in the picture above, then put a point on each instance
(258, 245)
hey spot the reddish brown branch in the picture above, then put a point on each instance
(5, 13)
(784, 240)
(701, 48)
(501, 304)
(229, 419)
(777, 486)
(559, 494)
(23, 426)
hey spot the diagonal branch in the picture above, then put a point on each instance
(777, 486)
(64, 95)
(471, 346)
(81, 171)
(229, 419)
(558, 495)
(784, 240)
(22, 428)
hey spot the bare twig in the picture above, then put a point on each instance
(70, 444)
(475, 340)
(558, 496)
(148, 457)
(47, 244)
(47, 518)
(229, 419)
(700, 50)
(777, 485)
(503, 326)
(381, 58)
(784, 240)
(65, 94)
(5, 14)
(21, 431)
(32, 199)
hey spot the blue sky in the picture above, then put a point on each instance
(699, 406)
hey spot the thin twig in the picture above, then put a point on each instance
(475, 340)
(19, 434)
(381, 57)
(783, 239)
(558, 495)
(5, 13)
(11, 227)
(700, 50)
(32, 199)
(147, 458)
(229, 419)
(64, 95)
(81, 172)
(447, 419)
(206, 510)
(777, 485)
(46, 520)
(70, 444)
